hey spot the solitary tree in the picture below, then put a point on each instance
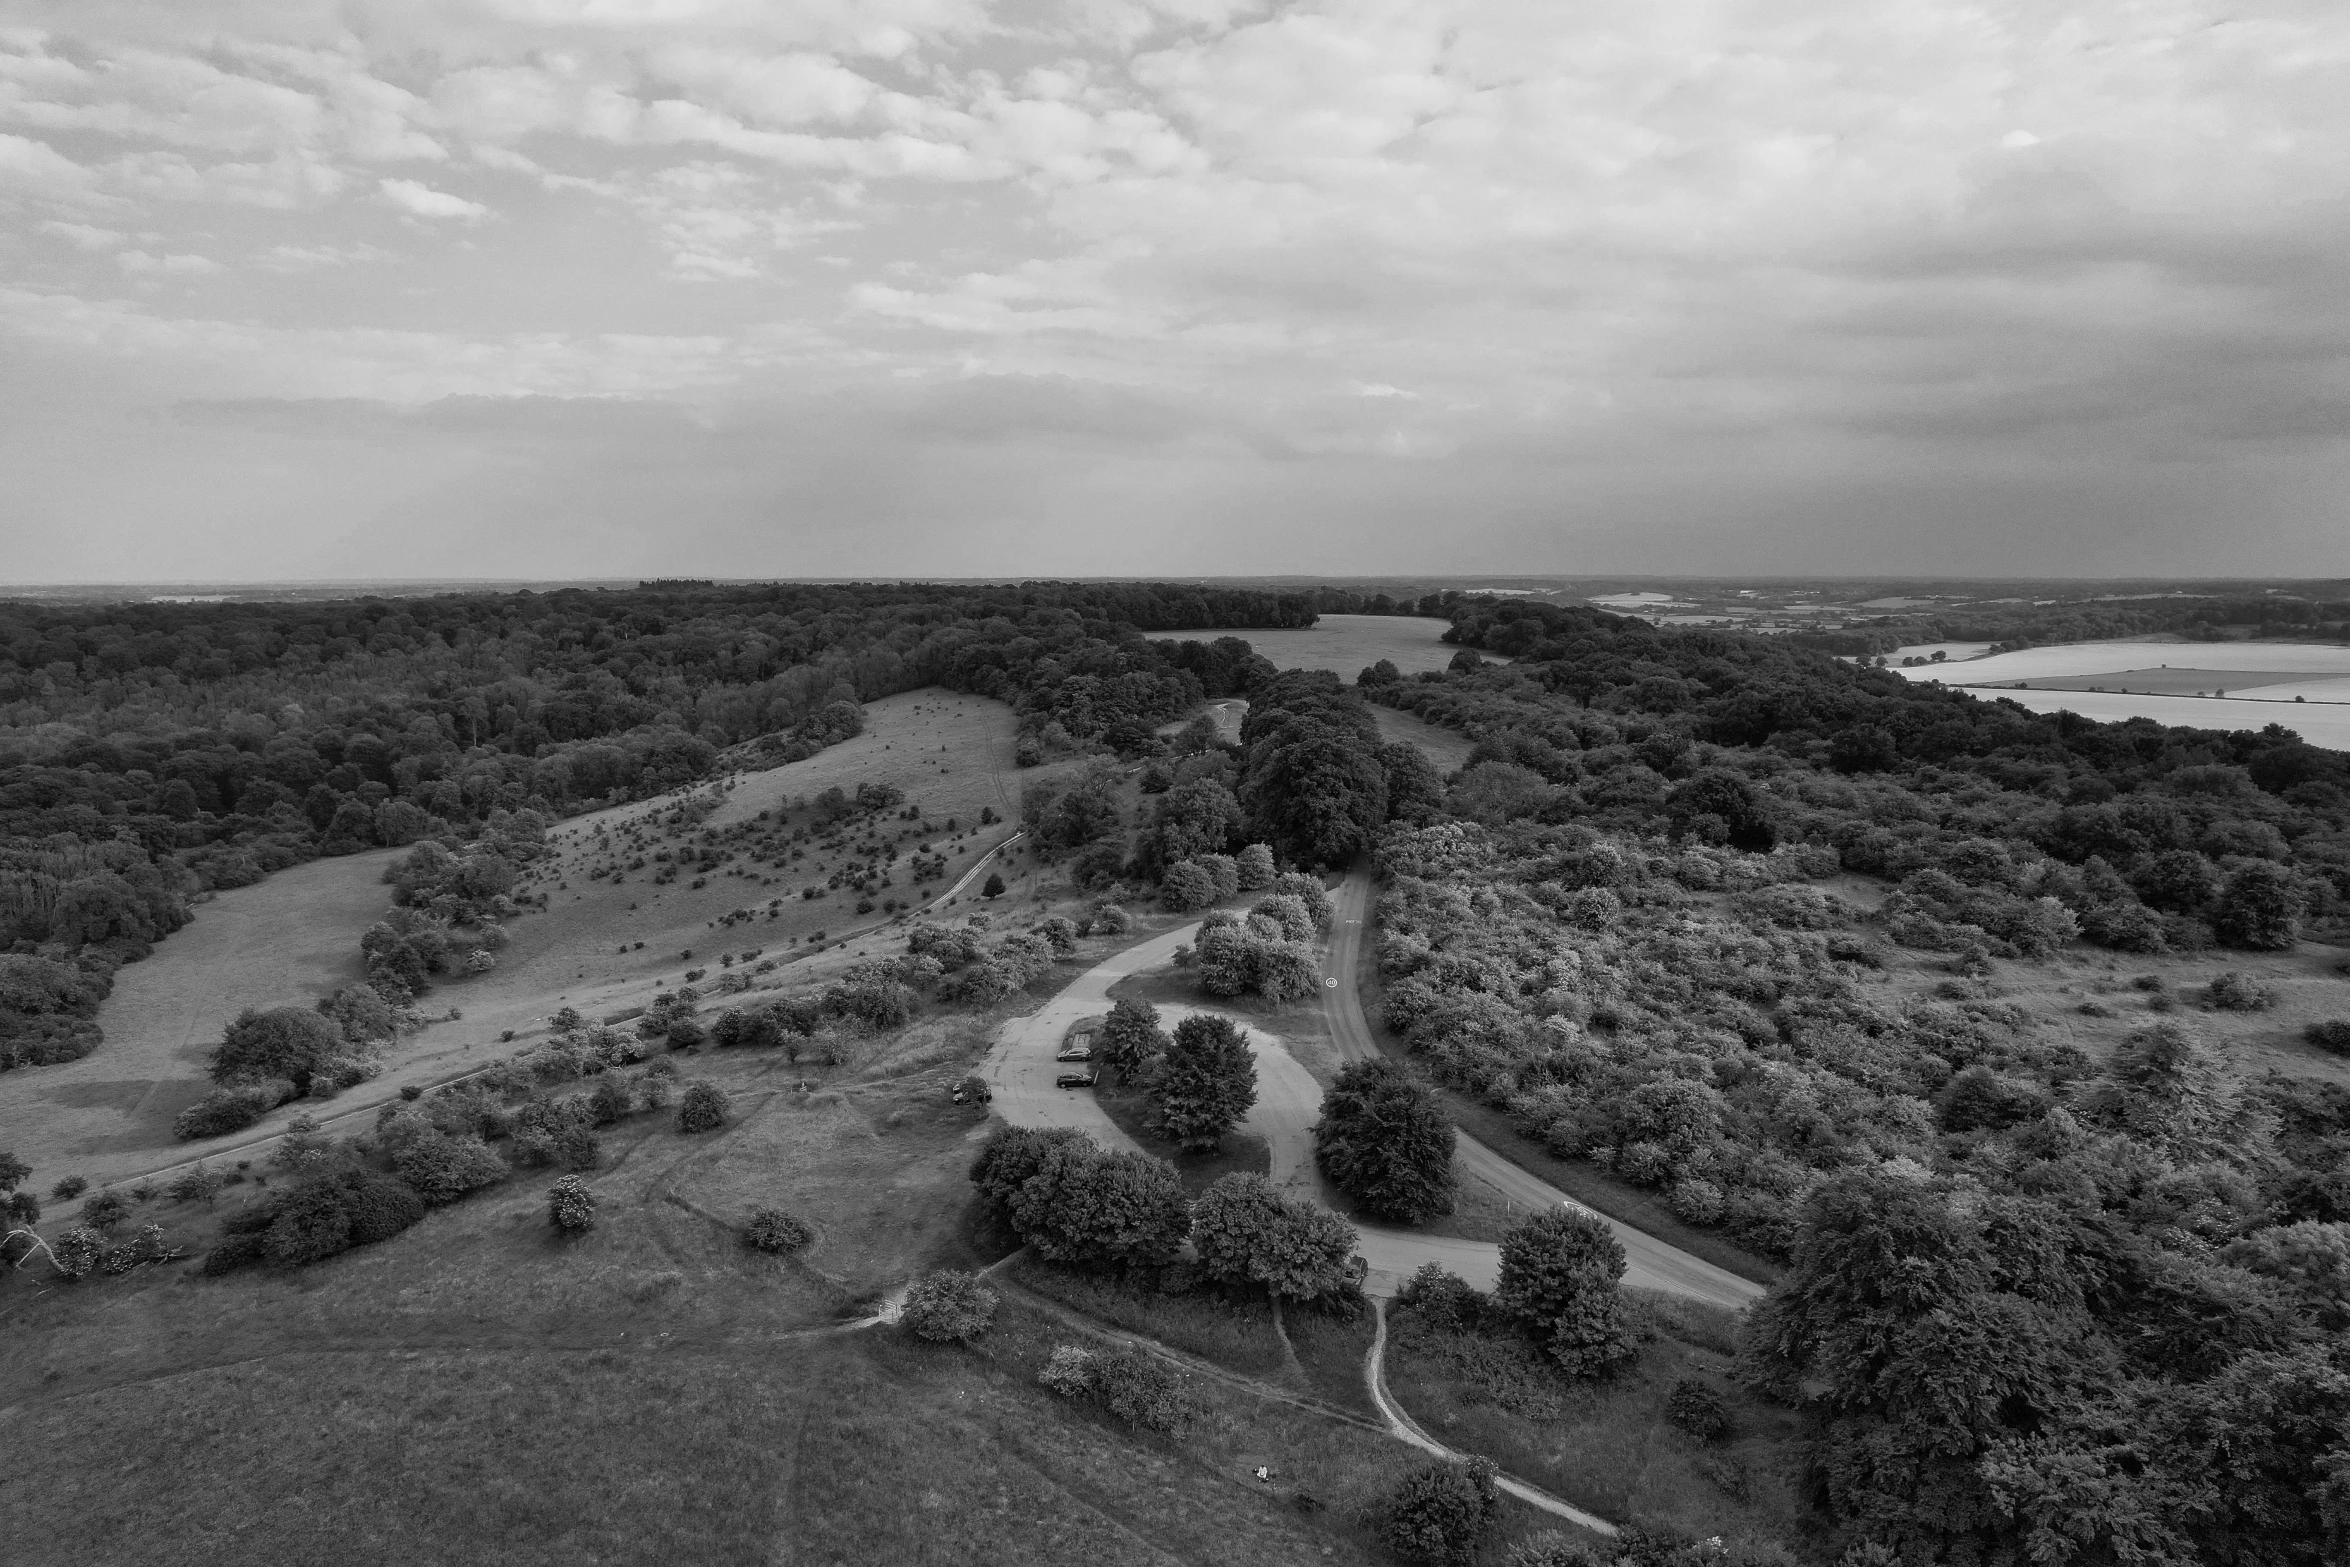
(1558, 1277)
(1441, 1513)
(703, 1109)
(949, 1307)
(994, 887)
(1385, 1143)
(1130, 1038)
(1205, 1083)
(571, 1207)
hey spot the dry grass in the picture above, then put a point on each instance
(478, 1391)
(1609, 1447)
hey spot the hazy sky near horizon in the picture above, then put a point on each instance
(604, 287)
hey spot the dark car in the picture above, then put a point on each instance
(1074, 1080)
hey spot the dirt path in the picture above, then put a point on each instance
(1403, 1427)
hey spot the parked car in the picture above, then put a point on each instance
(1074, 1080)
(1077, 1044)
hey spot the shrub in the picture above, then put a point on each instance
(1697, 1409)
(226, 1110)
(287, 1042)
(1444, 1301)
(442, 1168)
(1144, 1391)
(1254, 866)
(312, 1223)
(105, 1210)
(1558, 1277)
(949, 1307)
(773, 1230)
(2233, 991)
(69, 1187)
(1070, 1371)
(77, 1251)
(1550, 1548)
(199, 1183)
(2332, 1034)
(1186, 887)
(380, 1206)
(233, 1252)
(1442, 1512)
(703, 1109)
(571, 1207)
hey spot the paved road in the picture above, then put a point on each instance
(1651, 1263)
(1020, 1072)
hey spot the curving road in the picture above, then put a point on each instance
(1020, 1072)
(1650, 1263)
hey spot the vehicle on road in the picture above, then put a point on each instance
(1076, 1079)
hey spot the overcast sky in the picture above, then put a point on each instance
(601, 287)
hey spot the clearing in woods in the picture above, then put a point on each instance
(1347, 644)
(295, 937)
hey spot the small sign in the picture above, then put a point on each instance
(1331, 983)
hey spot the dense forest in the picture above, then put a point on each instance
(2041, 1307)
(150, 752)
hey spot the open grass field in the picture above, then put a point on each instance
(1347, 644)
(1603, 1445)
(479, 1390)
(294, 937)
(2325, 723)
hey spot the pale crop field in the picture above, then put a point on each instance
(1346, 644)
(2262, 680)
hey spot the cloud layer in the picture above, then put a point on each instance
(461, 286)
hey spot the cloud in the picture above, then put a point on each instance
(139, 263)
(425, 202)
(83, 235)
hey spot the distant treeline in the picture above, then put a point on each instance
(151, 751)
(2271, 615)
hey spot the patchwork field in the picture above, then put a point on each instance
(2166, 681)
(1347, 644)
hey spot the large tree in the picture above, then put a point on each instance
(1205, 1083)
(288, 1042)
(1096, 1209)
(1130, 1038)
(1385, 1143)
(1247, 1233)
(1559, 1273)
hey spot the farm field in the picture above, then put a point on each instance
(2319, 723)
(109, 1114)
(2269, 674)
(2066, 659)
(1347, 644)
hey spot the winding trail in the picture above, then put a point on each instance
(1404, 1428)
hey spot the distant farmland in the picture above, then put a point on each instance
(1347, 644)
